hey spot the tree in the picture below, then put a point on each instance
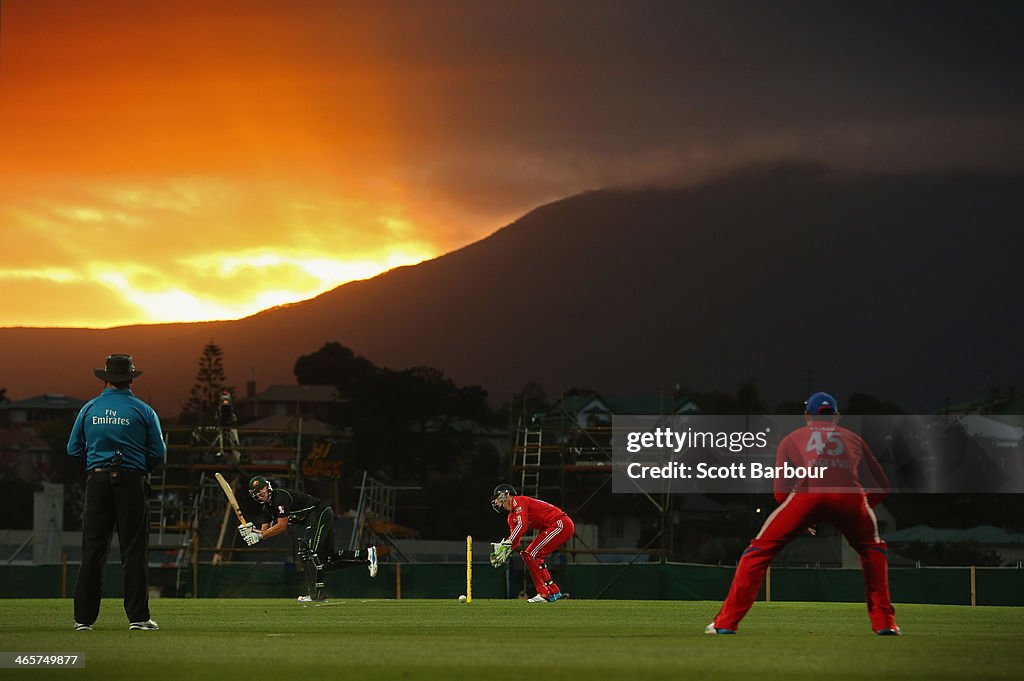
(861, 403)
(334, 364)
(407, 425)
(530, 400)
(746, 401)
(210, 383)
(748, 398)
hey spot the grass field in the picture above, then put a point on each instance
(429, 639)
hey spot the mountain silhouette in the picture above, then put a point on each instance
(798, 276)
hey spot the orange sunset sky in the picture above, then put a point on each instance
(191, 161)
(180, 161)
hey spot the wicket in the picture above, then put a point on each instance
(469, 568)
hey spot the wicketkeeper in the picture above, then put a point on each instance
(837, 498)
(524, 513)
(316, 547)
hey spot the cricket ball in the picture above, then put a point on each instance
(462, 599)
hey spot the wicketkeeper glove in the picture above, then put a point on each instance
(500, 552)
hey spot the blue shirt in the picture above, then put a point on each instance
(117, 421)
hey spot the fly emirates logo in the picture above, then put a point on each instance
(110, 418)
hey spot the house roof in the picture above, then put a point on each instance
(49, 401)
(295, 393)
(621, 404)
(574, 403)
(646, 404)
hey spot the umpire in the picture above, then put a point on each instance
(117, 436)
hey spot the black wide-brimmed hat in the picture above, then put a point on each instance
(118, 368)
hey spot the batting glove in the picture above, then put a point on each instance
(246, 530)
(253, 537)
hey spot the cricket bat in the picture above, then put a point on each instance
(231, 496)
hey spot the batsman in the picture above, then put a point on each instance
(281, 507)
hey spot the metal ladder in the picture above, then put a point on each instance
(157, 501)
(158, 504)
(530, 449)
(207, 487)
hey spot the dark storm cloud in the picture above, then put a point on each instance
(590, 94)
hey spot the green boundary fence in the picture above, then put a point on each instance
(654, 581)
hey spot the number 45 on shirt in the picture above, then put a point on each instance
(830, 445)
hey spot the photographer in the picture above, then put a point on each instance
(226, 419)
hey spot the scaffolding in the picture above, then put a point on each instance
(375, 517)
(555, 457)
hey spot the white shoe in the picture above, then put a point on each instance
(82, 627)
(304, 599)
(148, 625)
(537, 599)
(371, 555)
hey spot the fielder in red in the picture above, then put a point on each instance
(528, 513)
(837, 498)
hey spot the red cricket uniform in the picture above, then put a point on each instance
(555, 529)
(837, 498)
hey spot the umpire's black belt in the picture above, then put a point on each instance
(115, 469)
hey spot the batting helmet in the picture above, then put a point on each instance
(500, 494)
(257, 484)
